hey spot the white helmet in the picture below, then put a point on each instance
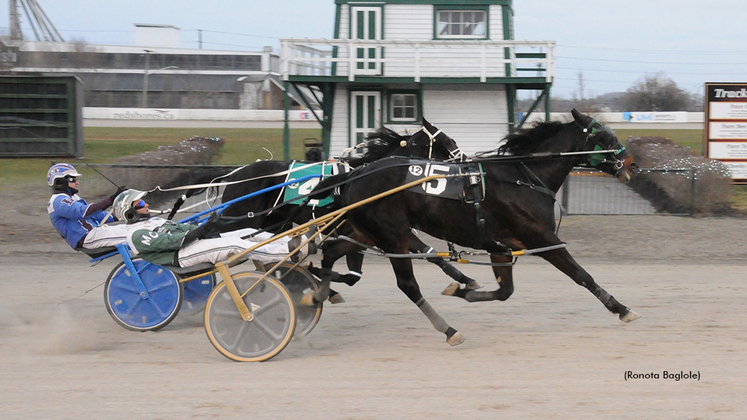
(123, 203)
(60, 170)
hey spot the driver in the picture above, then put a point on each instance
(165, 242)
(81, 224)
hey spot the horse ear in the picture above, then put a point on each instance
(426, 124)
(580, 118)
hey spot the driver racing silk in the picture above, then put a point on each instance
(157, 240)
(67, 211)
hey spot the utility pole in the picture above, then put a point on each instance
(581, 85)
(145, 78)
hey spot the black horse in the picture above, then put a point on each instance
(516, 212)
(270, 213)
(429, 142)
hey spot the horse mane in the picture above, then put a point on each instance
(526, 141)
(378, 144)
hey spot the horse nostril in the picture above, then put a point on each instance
(633, 166)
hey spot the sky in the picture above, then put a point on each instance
(602, 46)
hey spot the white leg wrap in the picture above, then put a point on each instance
(438, 323)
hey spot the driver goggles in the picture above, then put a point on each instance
(139, 205)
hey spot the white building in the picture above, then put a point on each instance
(392, 62)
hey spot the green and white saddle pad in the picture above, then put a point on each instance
(298, 170)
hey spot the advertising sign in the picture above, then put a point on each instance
(725, 133)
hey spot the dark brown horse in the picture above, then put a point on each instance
(515, 213)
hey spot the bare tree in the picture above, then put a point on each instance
(656, 93)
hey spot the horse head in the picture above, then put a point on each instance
(612, 158)
(441, 145)
(428, 142)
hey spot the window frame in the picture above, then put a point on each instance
(391, 119)
(437, 9)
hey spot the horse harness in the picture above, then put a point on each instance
(596, 159)
(463, 181)
(455, 154)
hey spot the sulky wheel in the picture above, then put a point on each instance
(196, 293)
(298, 281)
(262, 338)
(130, 308)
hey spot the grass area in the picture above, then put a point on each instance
(105, 145)
(688, 138)
(739, 201)
(242, 146)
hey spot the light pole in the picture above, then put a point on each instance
(145, 76)
(145, 79)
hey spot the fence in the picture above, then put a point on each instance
(585, 191)
(594, 192)
(588, 191)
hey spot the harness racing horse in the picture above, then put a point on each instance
(515, 213)
(428, 142)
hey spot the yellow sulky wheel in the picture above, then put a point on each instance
(266, 334)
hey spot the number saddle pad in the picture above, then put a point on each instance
(464, 181)
(298, 170)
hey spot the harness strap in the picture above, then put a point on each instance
(534, 182)
(480, 225)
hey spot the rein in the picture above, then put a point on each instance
(221, 184)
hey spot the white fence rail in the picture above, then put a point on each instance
(416, 59)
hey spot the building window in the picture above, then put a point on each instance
(403, 107)
(461, 24)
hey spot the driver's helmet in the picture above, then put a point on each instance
(60, 170)
(123, 202)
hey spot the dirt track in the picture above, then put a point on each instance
(551, 351)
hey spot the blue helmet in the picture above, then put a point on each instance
(60, 170)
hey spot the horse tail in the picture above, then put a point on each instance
(200, 176)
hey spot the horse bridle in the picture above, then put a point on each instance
(455, 154)
(597, 159)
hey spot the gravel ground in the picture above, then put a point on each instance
(551, 351)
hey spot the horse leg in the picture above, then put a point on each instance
(354, 260)
(416, 245)
(503, 275)
(353, 257)
(331, 252)
(564, 262)
(407, 283)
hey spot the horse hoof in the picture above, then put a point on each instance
(335, 299)
(308, 299)
(630, 316)
(473, 285)
(455, 339)
(451, 289)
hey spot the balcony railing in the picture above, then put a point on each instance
(418, 59)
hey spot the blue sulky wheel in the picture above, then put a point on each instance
(298, 281)
(196, 293)
(263, 337)
(130, 309)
